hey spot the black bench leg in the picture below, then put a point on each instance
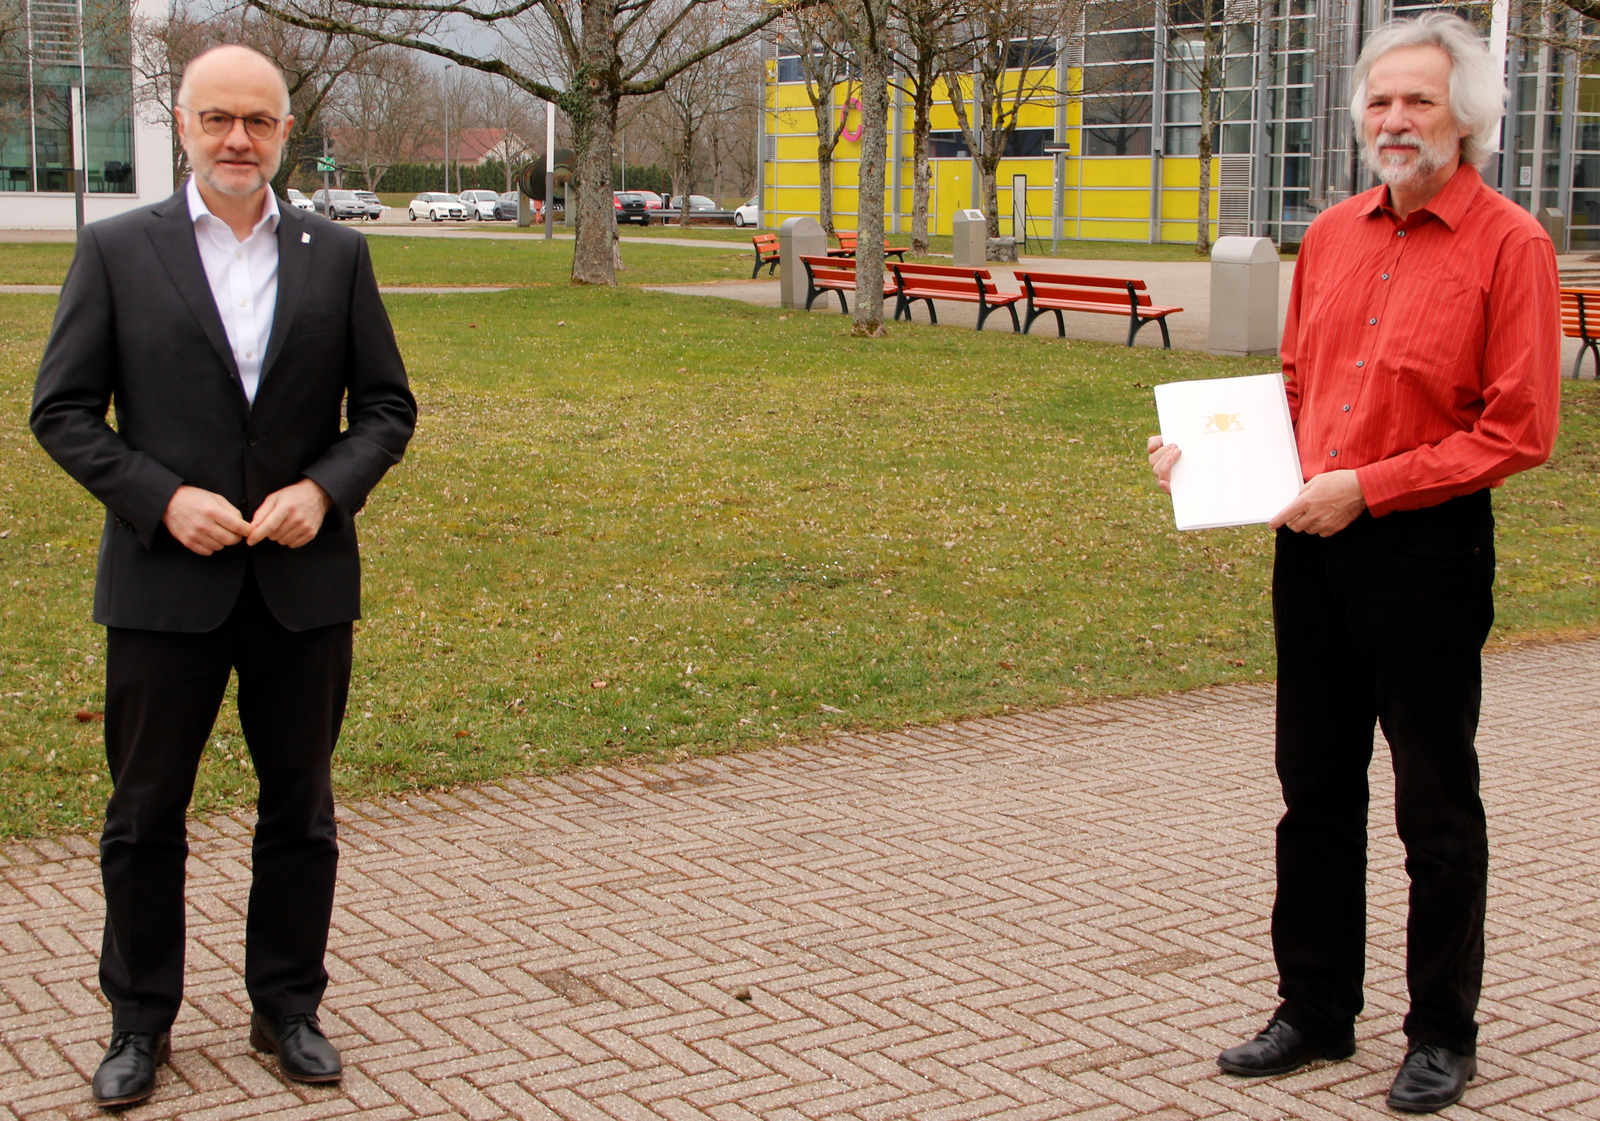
(1134, 323)
(1166, 339)
(1016, 328)
(902, 306)
(773, 270)
(1061, 325)
(983, 314)
(1027, 323)
(933, 316)
(1577, 367)
(844, 308)
(755, 272)
(812, 294)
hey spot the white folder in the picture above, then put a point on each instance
(1240, 464)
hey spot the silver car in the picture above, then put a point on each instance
(436, 206)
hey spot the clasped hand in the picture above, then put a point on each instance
(204, 521)
(1324, 506)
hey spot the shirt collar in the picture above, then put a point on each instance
(198, 210)
(1450, 205)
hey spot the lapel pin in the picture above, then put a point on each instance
(305, 239)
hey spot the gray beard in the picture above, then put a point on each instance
(1429, 159)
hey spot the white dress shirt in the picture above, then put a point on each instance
(244, 281)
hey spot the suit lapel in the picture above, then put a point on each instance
(173, 237)
(294, 265)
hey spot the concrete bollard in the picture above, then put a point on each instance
(797, 237)
(971, 232)
(1244, 296)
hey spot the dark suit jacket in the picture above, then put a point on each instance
(137, 329)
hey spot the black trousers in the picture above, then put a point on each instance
(1384, 621)
(163, 691)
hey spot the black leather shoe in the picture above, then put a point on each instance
(303, 1051)
(1431, 1078)
(1281, 1048)
(127, 1074)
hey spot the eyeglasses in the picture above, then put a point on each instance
(217, 123)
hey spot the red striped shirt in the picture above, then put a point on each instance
(1424, 353)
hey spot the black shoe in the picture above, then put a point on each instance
(1279, 1049)
(127, 1074)
(1431, 1078)
(303, 1051)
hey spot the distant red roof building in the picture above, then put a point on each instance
(471, 147)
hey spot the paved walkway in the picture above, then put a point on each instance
(1024, 917)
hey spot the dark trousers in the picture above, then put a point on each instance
(163, 691)
(1384, 621)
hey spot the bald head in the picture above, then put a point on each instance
(235, 69)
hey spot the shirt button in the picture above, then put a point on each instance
(246, 303)
(1399, 233)
(1360, 363)
(1370, 322)
(239, 256)
(1386, 276)
(1347, 408)
(252, 354)
(1335, 451)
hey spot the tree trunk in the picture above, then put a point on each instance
(591, 107)
(921, 165)
(683, 182)
(869, 210)
(1208, 112)
(988, 168)
(825, 145)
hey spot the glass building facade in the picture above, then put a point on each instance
(1125, 103)
(40, 64)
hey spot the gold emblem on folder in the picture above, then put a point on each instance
(1224, 422)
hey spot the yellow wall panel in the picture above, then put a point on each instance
(1115, 172)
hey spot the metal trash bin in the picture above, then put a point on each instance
(797, 237)
(971, 236)
(1244, 296)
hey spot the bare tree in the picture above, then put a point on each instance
(865, 25)
(927, 36)
(813, 35)
(609, 49)
(1016, 36)
(383, 112)
(1199, 34)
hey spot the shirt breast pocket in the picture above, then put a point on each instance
(1433, 329)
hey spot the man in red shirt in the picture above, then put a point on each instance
(1421, 354)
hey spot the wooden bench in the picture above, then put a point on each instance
(766, 253)
(832, 274)
(1104, 295)
(1580, 319)
(847, 247)
(942, 282)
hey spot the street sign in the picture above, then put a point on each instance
(325, 163)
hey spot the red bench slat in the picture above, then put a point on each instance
(1058, 292)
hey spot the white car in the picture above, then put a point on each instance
(747, 215)
(480, 204)
(299, 201)
(436, 206)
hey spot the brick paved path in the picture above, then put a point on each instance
(1058, 914)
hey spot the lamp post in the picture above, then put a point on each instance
(447, 68)
(549, 170)
(1058, 153)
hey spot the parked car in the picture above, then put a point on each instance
(696, 202)
(631, 208)
(374, 204)
(652, 201)
(747, 215)
(337, 204)
(505, 206)
(299, 201)
(480, 204)
(436, 206)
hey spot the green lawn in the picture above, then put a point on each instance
(623, 529)
(421, 261)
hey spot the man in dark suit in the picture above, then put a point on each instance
(228, 334)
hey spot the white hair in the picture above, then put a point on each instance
(1477, 90)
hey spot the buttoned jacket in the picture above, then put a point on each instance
(137, 332)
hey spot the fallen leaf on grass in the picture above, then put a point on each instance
(1236, 661)
(84, 716)
(830, 708)
(1007, 665)
(599, 683)
(463, 734)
